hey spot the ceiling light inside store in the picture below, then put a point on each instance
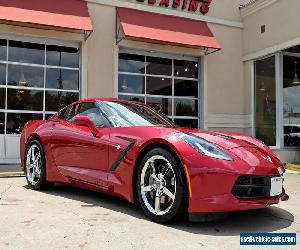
(262, 87)
(296, 80)
(124, 85)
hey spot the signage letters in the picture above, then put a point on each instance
(190, 5)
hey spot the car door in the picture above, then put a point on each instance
(76, 151)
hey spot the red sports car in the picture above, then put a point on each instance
(129, 150)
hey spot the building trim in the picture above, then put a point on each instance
(271, 50)
(170, 12)
(255, 6)
(228, 120)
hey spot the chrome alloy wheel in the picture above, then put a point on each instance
(158, 185)
(33, 164)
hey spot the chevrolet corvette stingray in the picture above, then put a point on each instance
(129, 150)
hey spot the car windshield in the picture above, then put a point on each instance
(129, 114)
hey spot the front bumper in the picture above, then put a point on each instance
(212, 185)
(227, 203)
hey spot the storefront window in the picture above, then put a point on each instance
(25, 76)
(291, 101)
(185, 88)
(2, 98)
(26, 52)
(41, 79)
(265, 99)
(2, 122)
(168, 85)
(16, 121)
(62, 79)
(3, 50)
(160, 104)
(131, 84)
(131, 63)
(159, 86)
(158, 66)
(56, 100)
(187, 69)
(2, 74)
(62, 56)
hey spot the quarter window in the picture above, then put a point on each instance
(93, 112)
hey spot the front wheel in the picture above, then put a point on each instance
(161, 186)
(35, 166)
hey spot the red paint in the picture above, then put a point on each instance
(184, 4)
(176, 4)
(205, 6)
(65, 14)
(151, 27)
(77, 157)
(193, 5)
(164, 3)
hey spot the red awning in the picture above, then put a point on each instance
(146, 26)
(57, 14)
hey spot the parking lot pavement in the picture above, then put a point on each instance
(69, 218)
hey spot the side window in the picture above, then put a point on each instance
(61, 114)
(69, 113)
(93, 112)
(72, 112)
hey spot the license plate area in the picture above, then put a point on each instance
(276, 186)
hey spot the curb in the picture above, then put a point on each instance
(11, 174)
(292, 167)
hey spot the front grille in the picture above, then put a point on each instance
(252, 187)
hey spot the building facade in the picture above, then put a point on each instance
(217, 65)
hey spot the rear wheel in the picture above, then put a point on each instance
(161, 187)
(35, 166)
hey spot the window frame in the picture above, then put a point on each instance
(279, 98)
(44, 42)
(173, 57)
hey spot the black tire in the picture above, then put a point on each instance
(178, 210)
(41, 182)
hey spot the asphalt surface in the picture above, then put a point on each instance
(70, 218)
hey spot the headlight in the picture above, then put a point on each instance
(205, 147)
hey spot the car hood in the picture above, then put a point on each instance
(232, 140)
(227, 140)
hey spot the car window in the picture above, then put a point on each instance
(62, 114)
(93, 112)
(71, 113)
(125, 114)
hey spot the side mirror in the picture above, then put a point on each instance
(81, 120)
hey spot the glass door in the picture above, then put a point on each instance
(36, 80)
